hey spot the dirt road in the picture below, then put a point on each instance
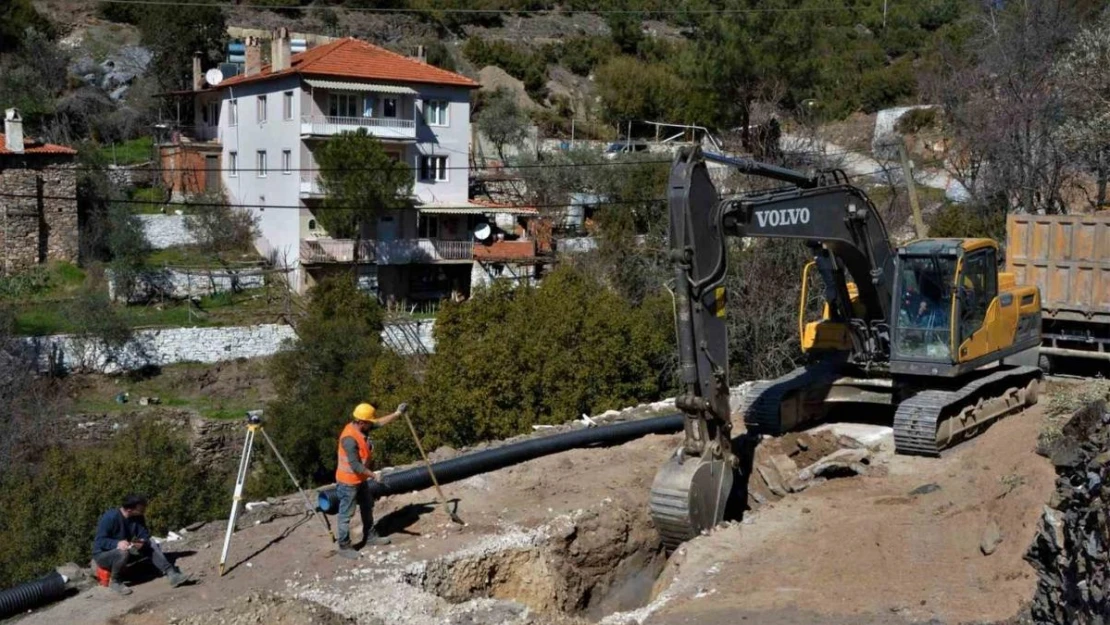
(566, 539)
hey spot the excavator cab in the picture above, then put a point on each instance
(954, 311)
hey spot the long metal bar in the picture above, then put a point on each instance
(1075, 353)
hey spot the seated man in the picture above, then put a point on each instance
(122, 537)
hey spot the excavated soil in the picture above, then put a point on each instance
(566, 539)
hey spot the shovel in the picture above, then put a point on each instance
(415, 437)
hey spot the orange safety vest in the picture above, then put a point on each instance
(344, 474)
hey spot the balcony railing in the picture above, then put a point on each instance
(324, 251)
(187, 134)
(406, 251)
(399, 252)
(382, 127)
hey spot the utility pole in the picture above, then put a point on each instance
(911, 187)
(884, 14)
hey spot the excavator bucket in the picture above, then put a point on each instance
(688, 497)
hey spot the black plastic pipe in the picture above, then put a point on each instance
(462, 467)
(29, 595)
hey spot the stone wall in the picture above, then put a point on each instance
(157, 347)
(164, 231)
(37, 228)
(182, 284)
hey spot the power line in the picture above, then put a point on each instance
(491, 209)
(453, 10)
(606, 163)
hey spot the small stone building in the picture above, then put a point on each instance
(38, 205)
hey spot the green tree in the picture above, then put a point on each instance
(510, 358)
(361, 181)
(631, 89)
(502, 120)
(175, 32)
(337, 362)
(16, 17)
(127, 246)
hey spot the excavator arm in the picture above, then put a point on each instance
(848, 238)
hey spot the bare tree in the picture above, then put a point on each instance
(1004, 105)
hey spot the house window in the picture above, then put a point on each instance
(233, 164)
(261, 108)
(428, 227)
(311, 224)
(232, 112)
(287, 106)
(343, 105)
(286, 161)
(435, 113)
(389, 107)
(433, 168)
(213, 114)
(368, 106)
(261, 164)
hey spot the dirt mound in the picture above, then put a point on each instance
(266, 608)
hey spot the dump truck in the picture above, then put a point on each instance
(1068, 257)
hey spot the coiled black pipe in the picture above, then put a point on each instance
(30, 595)
(462, 467)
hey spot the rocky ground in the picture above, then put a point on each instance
(840, 531)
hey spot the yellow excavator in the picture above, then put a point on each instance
(931, 330)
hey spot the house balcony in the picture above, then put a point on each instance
(310, 186)
(387, 128)
(177, 134)
(399, 252)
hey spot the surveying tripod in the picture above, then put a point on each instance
(254, 426)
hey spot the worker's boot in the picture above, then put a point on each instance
(347, 551)
(176, 577)
(373, 539)
(117, 587)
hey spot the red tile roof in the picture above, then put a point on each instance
(354, 59)
(31, 147)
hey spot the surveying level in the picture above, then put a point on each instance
(254, 426)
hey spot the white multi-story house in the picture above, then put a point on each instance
(268, 122)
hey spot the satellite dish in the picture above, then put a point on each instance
(483, 232)
(214, 76)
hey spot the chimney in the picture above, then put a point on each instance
(280, 50)
(198, 75)
(421, 54)
(253, 56)
(13, 131)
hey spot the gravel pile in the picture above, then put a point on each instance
(1070, 550)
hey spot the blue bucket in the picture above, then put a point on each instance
(328, 501)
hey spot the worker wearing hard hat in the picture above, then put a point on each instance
(353, 471)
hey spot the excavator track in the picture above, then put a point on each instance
(761, 407)
(932, 420)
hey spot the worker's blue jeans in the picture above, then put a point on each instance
(348, 497)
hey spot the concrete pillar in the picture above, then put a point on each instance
(280, 50)
(13, 131)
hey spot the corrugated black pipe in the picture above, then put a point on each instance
(462, 467)
(29, 595)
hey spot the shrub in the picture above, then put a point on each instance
(219, 228)
(916, 120)
(886, 86)
(969, 221)
(507, 359)
(50, 513)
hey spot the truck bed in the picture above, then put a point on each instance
(1068, 258)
